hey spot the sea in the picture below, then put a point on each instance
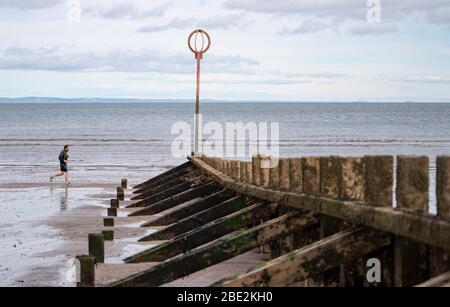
(110, 141)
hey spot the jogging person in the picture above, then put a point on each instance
(63, 160)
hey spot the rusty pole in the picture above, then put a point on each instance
(192, 43)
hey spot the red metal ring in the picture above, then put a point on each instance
(203, 34)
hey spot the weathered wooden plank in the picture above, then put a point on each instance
(242, 169)
(146, 193)
(217, 252)
(167, 179)
(443, 187)
(206, 233)
(274, 174)
(413, 183)
(249, 172)
(309, 262)
(311, 175)
(410, 257)
(264, 171)
(352, 178)
(162, 195)
(284, 170)
(178, 199)
(329, 180)
(163, 176)
(296, 175)
(236, 166)
(421, 228)
(379, 180)
(197, 220)
(256, 170)
(188, 211)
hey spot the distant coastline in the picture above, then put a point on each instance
(55, 100)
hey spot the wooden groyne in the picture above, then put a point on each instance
(324, 221)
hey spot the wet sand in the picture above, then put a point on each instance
(44, 226)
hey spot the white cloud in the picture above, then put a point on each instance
(425, 80)
(119, 60)
(213, 22)
(126, 10)
(29, 4)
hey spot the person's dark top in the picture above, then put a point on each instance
(62, 157)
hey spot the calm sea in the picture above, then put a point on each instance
(112, 141)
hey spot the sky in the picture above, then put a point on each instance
(284, 50)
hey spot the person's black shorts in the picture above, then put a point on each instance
(64, 168)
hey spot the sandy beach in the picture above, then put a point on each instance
(48, 226)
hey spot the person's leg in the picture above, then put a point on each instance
(56, 175)
(66, 177)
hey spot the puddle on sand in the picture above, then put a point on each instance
(23, 237)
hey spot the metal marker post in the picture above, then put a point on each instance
(193, 43)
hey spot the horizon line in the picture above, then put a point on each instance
(37, 99)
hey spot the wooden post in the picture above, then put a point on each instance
(274, 174)
(379, 183)
(284, 169)
(440, 258)
(108, 235)
(311, 175)
(249, 172)
(97, 247)
(296, 175)
(112, 212)
(256, 170)
(120, 194)
(411, 263)
(242, 169)
(329, 187)
(108, 222)
(124, 184)
(413, 183)
(236, 170)
(87, 271)
(329, 172)
(352, 178)
(379, 180)
(115, 203)
(229, 168)
(443, 187)
(264, 171)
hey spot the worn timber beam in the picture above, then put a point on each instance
(197, 220)
(200, 205)
(313, 260)
(206, 233)
(167, 184)
(178, 199)
(422, 228)
(218, 251)
(163, 175)
(169, 178)
(167, 193)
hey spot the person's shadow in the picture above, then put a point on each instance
(64, 200)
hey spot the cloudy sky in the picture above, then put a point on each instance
(293, 50)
